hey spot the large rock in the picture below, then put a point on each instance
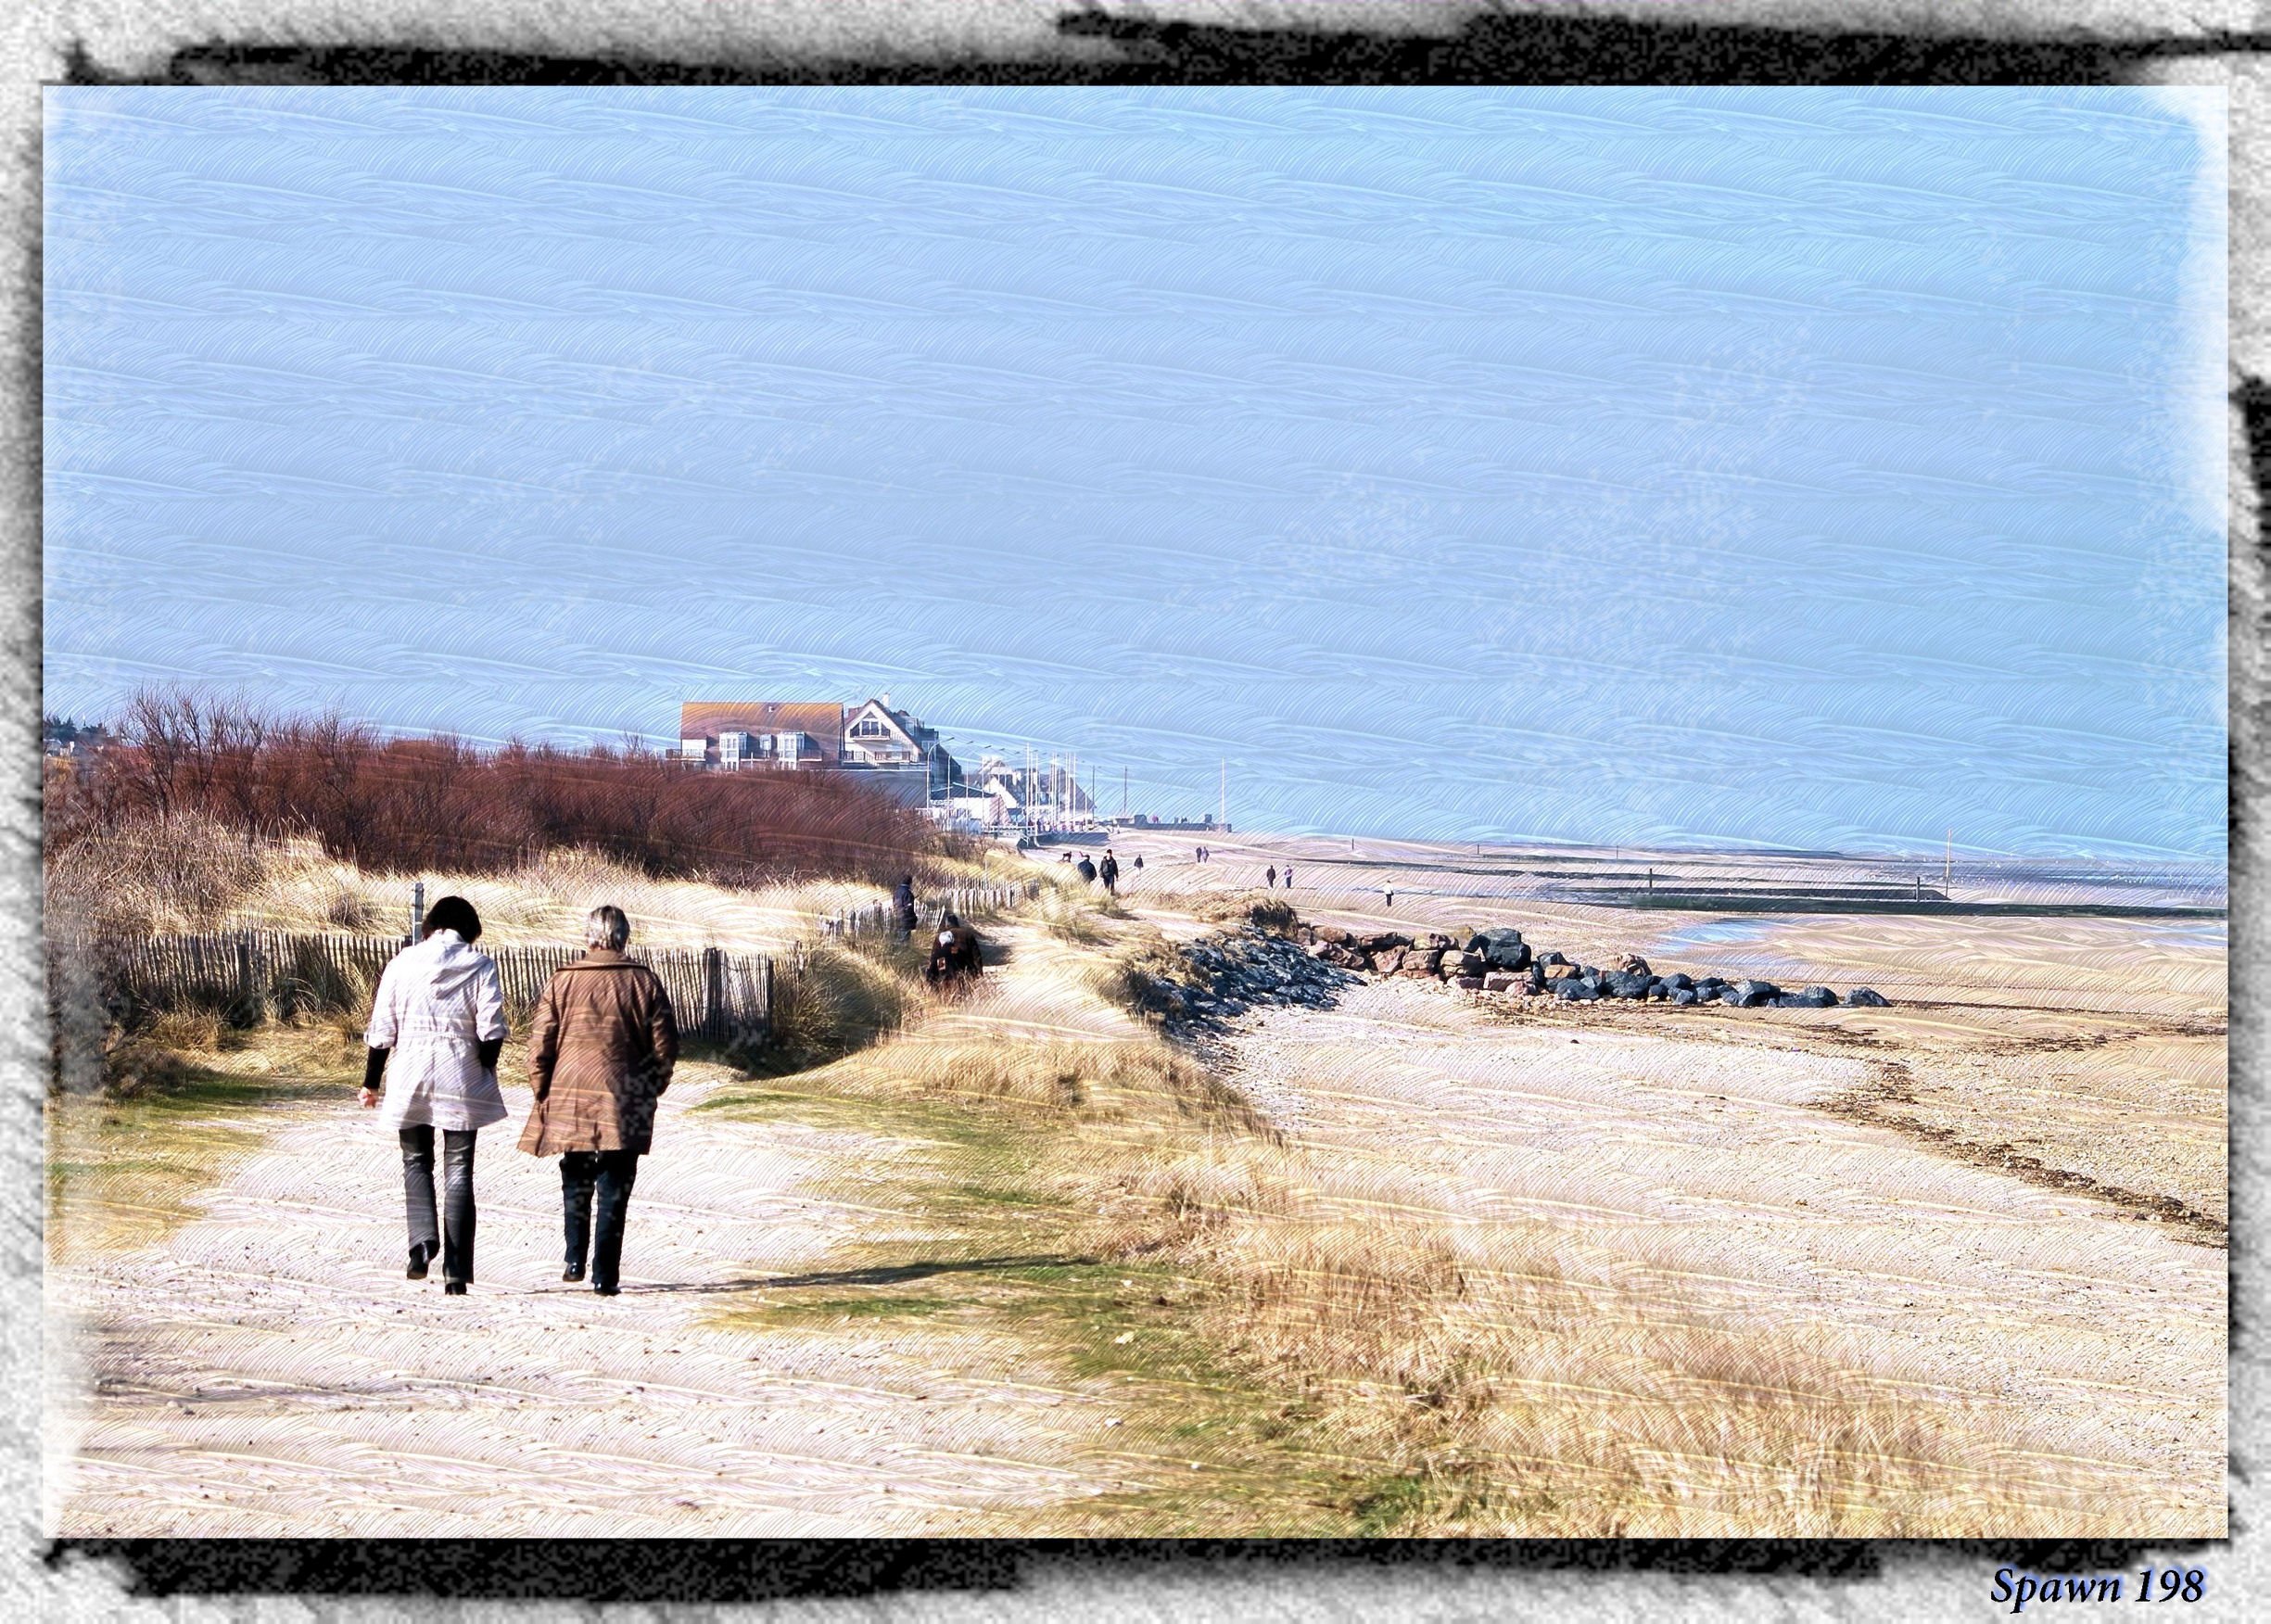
(1553, 958)
(1811, 998)
(1749, 994)
(1676, 981)
(1500, 980)
(1630, 963)
(1458, 963)
(1381, 940)
(1387, 960)
(1422, 962)
(1624, 983)
(1577, 990)
(1467, 984)
(1560, 969)
(1867, 998)
(1435, 941)
(1502, 947)
(1336, 934)
(1685, 995)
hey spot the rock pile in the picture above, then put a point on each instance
(1498, 960)
(1242, 969)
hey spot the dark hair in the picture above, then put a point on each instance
(453, 913)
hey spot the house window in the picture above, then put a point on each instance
(869, 728)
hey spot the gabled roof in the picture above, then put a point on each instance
(898, 721)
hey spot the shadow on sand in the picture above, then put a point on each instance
(894, 1274)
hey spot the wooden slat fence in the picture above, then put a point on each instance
(971, 901)
(245, 976)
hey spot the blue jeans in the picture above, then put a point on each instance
(608, 1176)
(456, 1249)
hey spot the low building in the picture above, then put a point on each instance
(889, 750)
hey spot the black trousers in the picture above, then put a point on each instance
(452, 1236)
(608, 1176)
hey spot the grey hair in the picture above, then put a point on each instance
(607, 926)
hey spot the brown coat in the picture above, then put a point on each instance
(601, 1048)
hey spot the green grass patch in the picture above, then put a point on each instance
(123, 1172)
(999, 1255)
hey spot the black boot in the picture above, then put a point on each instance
(418, 1260)
(455, 1288)
(573, 1272)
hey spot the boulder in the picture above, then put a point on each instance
(1436, 941)
(1577, 990)
(1458, 963)
(1553, 958)
(1500, 981)
(1558, 969)
(1867, 998)
(1470, 984)
(1387, 960)
(1384, 939)
(1749, 994)
(1620, 984)
(1502, 947)
(1811, 998)
(1632, 964)
(1338, 936)
(1685, 995)
(1676, 981)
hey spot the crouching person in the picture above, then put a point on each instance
(602, 1044)
(955, 957)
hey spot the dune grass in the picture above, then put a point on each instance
(1313, 1348)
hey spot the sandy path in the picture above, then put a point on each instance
(267, 1370)
(1702, 1174)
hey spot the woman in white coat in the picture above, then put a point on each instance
(439, 1014)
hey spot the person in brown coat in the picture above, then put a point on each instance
(601, 1048)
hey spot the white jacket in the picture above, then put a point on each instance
(435, 1004)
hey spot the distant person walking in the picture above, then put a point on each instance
(1139, 862)
(438, 1013)
(1109, 871)
(903, 906)
(1086, 870)
(1269, 878)
(601, 1045)
(1288, 876)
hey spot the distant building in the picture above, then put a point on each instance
(1035, 792)
(887, 749)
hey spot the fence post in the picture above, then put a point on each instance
(713, 994)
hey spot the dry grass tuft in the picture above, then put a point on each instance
(840, 1002)
(1258, 909)
(1140, 962)
(145, 877)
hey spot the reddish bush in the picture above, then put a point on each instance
(442, 803)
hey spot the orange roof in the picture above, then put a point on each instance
(706, 719)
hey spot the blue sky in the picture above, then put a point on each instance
(1818, 468)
